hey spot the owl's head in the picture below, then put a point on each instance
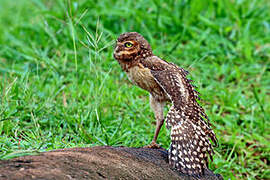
(130, 45)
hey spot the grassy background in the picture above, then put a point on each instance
(60, 86)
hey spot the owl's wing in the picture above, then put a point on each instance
(190, 133)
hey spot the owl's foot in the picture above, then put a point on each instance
(152, 145)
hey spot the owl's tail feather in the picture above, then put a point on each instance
(189, 149)
(182, 163)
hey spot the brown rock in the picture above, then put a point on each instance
(101, 162)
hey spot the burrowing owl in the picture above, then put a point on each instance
(166, 82)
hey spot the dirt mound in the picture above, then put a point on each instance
(101, 162)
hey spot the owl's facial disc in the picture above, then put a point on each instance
(126, 50)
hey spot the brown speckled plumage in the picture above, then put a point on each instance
(166, 82)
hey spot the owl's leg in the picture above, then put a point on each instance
(157, 107)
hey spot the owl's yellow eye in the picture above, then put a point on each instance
(128, 44)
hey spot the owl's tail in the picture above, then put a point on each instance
(189, 149)
(182, 162)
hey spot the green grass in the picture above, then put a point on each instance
(60, 86)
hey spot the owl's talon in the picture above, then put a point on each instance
(152, 145)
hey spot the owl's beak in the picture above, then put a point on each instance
(115, 56)
(116, 49)
(116, 52)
